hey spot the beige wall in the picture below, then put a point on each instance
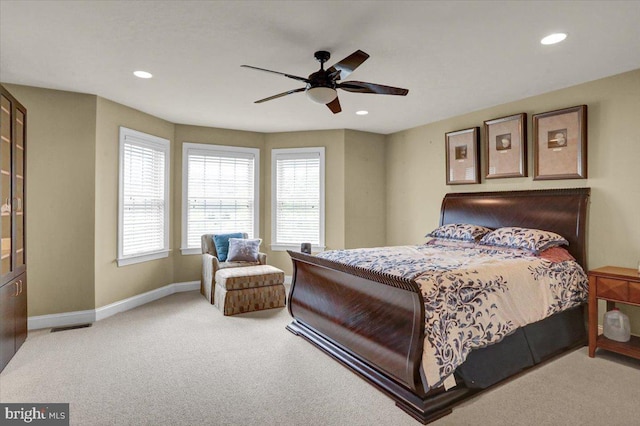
(379, 190)
(365, 189)
(60, 175)
(113, 283)
(189, 267)
(416, 169)
(333, 141)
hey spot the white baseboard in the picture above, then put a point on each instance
(144, 298)
(61, 320)
(82, 317)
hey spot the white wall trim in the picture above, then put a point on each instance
(61, 320)
(144, 298)
(82, 317)
(287, 279)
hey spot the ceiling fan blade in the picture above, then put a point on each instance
(334, 105)
(279, 95)
(295, 77)
(364, 87)
(348, 64)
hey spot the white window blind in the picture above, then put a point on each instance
(144, 188)
(220, 195)
(298, 197)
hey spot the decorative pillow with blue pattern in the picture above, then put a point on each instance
(243, 250)
(459, 231)
(534, 240)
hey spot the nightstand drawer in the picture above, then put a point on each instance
(613, 289)
(634, 293)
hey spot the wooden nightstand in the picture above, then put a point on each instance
(615, 285)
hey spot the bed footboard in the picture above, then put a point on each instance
(372, 323)
(377, 318)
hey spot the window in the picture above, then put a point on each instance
(143, 207)
(219, 192)
(297, 198)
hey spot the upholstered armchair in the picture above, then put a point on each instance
(211, 264)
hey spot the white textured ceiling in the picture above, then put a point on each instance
(454, 57)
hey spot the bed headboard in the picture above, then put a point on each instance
(563, 211)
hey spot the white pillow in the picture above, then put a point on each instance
(243, 250)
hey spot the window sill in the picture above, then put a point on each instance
(294, 247)
(124, 261)
(188, 251)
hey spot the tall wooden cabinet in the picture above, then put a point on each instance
(13, 268)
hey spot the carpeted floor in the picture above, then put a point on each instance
(179, 361)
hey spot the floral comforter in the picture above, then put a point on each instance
(474, 295)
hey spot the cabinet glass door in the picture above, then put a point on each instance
(5, 182)
(18, 199)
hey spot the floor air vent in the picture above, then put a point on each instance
(71, 327)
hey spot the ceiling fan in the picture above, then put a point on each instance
(321, 85)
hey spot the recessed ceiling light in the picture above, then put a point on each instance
(362, 112)
(142, 74)
(553, 38)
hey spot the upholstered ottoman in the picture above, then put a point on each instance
(250, 288)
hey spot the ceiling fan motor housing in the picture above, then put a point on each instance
(321, 79)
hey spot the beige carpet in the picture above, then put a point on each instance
(178, 361)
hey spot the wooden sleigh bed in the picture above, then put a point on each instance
(374, 323)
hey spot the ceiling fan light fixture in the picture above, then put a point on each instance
(322, 95)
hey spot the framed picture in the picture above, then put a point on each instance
(560, 144)
(463, 161)
(506, 146)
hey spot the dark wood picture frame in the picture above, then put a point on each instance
(462, 149)
(560, 144)
(506, 146)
